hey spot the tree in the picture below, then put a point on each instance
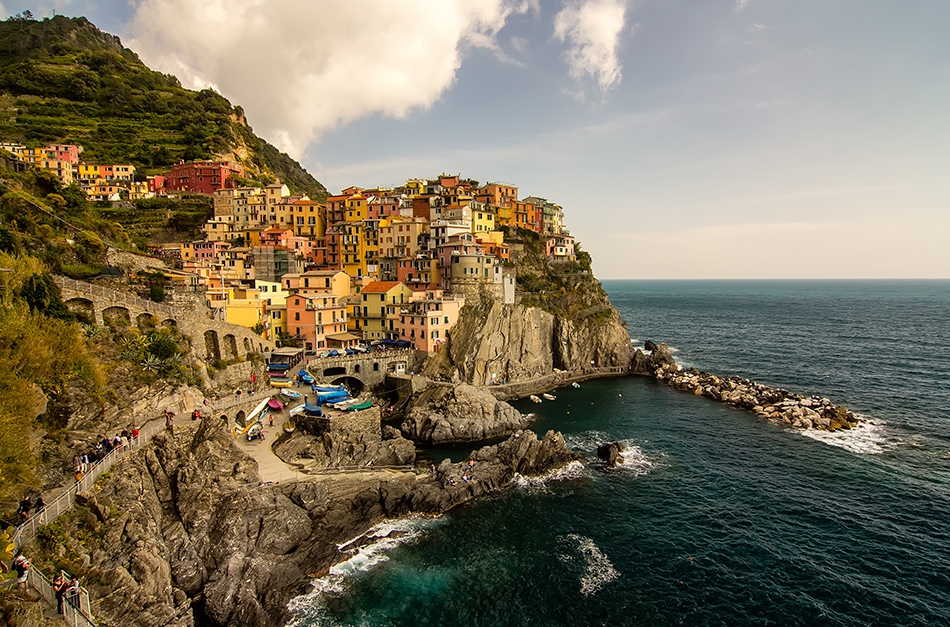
(42, 295)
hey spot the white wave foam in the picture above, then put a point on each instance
(598, 570)
(587, 441)
(868, 438)
(635, 460)
(574, 470)
(308, 609)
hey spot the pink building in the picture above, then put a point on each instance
(426, 323)
(202, 177)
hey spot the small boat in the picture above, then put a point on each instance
(277, 383)
(548, 397)
(289, 427)
(274, 403)
(575, 385)
(306, 377)
(534, 399)
(291, 394)
(312, 410)
(296, 411)
(278, 366)
(255, 431)
(360, 406)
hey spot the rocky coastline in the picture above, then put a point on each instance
(184, 534)
(774, 404)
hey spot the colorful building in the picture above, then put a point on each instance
(377, 316)
(201, 177)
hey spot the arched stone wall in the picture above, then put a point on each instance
(84, 308)
(248, 345)
(334, 371)
(353, 384)
(146, 321)
(230, 347)
(169, 323)
(118, 315)
(212, 348)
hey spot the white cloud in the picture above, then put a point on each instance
(592, 29)
(302, 67)
(741, 4)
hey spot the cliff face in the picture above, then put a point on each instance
(182, 534)
(513, 343)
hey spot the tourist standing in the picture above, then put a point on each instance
(22, 567)
(38, 507)
(59, 587)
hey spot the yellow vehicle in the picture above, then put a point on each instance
(277, 383)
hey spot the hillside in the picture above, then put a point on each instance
(63, 80)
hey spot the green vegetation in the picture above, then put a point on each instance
(63, 80)
(563, 288)
(42, 349)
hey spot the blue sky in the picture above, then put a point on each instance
(684, 139)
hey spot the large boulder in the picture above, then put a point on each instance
(461, 413)
(652, 357)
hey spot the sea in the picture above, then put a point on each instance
(715, 517)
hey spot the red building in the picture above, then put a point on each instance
(202, 177)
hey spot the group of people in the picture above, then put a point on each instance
(66, 589)
(104, 445)
(29, 508)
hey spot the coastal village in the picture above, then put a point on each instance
(387, 266)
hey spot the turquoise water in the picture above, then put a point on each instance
(716, 518)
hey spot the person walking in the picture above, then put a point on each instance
(38, 507)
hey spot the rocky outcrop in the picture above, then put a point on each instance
(774, 404)
(650, 358)
(510, 343)
(610, 453)
(183, 529)
(461, 413)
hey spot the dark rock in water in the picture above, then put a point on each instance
(651, 358)
(610, 453)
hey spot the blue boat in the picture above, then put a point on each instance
(312, 410)
(306, 377)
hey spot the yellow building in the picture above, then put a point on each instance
(381, 304)
(309, 219)
(244, 307)
(352, 250)
(317, 282)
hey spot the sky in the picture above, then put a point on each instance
(685, 139)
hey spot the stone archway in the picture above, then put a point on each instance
(240, 418)
(84, 309)
(353, 384)
(230, 347)
(169, 323)
(248, 346)
(117, 315)
(146, 321)
(212, 348)
(334, 372)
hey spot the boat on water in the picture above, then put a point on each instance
(291, 394)
(548, 397)
(575, 385)
(534, 399)
(275, 403)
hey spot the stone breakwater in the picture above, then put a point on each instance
(775, 404)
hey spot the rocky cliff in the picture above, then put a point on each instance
(183, 534)
(512, 343)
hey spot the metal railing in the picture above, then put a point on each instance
(78, 611)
